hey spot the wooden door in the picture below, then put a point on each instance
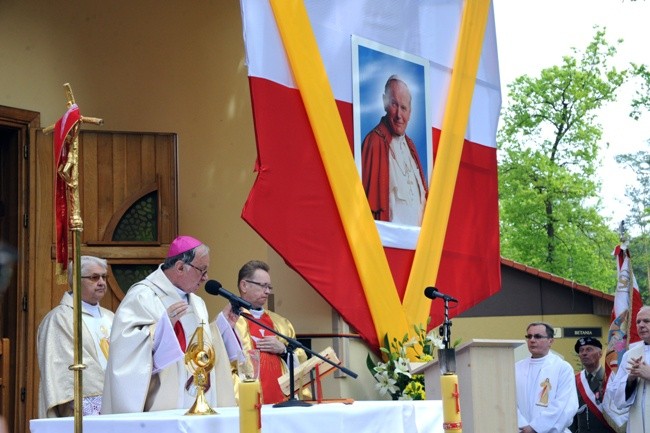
(16, 133)
(129, 212)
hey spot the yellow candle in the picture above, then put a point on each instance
(450, 403)
(250, 406)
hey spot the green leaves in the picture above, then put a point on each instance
(548, 156)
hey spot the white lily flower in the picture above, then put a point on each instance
(403, 366)
(385, 385)
(435, 340)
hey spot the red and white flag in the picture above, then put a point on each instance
(627, 302)
(622, 330)
(298, 204)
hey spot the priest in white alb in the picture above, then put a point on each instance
(547, 399)
(632, 381)
(55, 345)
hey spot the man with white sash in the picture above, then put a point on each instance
(152, 328)
(546, 392)
(633, 378)
(591, 388)
(55, 345)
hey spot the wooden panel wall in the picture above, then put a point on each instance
(116, 167)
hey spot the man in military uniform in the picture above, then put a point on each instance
(590, 383)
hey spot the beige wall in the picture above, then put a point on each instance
(172, 66)
(149, 66)
(514, 328)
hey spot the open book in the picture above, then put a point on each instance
(301, 376)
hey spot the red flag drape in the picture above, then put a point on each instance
(62, 130)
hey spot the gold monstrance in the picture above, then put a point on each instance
(66, 164)
(199, 360)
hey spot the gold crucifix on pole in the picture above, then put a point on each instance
(68, 217)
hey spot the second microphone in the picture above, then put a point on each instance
(214, 287)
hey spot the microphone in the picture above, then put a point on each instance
(432, 293)
(214, 287)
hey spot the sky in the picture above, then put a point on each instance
(535, 34)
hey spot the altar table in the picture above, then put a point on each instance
(358, 417)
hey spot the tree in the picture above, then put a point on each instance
(548, 145)
(638, 220)
(638, 189)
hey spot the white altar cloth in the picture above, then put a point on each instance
(359, 417)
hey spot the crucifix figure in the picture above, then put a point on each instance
(67, 153)
(66, 160)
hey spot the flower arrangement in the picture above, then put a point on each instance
(394, 377)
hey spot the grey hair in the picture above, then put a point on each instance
(643, 308)
(84, 263)
(394, 78)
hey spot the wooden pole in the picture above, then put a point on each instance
(630, 283)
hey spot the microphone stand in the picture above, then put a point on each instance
(445, 328)
(447, 354)
(448, 378)
(292, 344)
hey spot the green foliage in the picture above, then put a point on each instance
(641, 101)
(548, 150)
(640, 255)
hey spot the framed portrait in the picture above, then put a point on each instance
(373, 64)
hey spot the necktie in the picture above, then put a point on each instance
(180, 334)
